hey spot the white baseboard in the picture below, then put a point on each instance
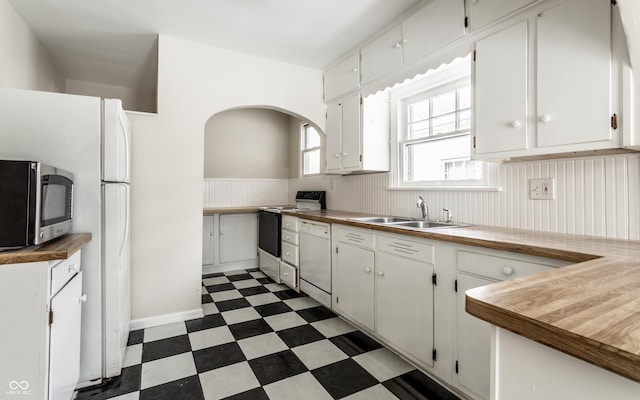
(163, 319)
(212, 269)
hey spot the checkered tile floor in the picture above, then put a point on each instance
(260, 341)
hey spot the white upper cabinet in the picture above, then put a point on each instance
(382, 56)
(501, 73)
(358, 134)
(483, 12)
(574, 73)
(436, 24)
(545, 85)
(342, 78)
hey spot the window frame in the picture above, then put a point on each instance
(435, 82)
(304, 149)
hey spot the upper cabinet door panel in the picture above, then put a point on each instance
(436, 24)
(483, 12)
(333, 140)
(382, 56)
(342, 78)
(574, 73)
(351, 132)
(501, 91)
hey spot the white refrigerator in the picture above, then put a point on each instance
(90, 137)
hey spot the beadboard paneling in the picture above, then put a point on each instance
(595, 196)
(245, 192)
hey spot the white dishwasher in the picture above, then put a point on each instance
(315, 260)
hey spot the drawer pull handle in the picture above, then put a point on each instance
(380, 273)
(507, 271)
(285, 274)
(82, 298)
(367, 270)
(405, 251)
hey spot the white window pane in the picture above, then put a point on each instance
(418, 130)
(444, 124)
(464, 120)
(418, 111)
(311, 162)
(439, 160)
(444, 103)
(313, 137)
(464, 94)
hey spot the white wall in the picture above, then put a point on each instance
(596, 196)
(194, 83)
(248, 143)
(132, 99)
(25, 64)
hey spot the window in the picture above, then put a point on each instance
(433, 123)
(310, 146)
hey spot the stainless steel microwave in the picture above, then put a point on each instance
(36, 203)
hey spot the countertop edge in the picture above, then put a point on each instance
(57, 249)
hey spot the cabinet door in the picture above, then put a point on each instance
(351, 132)
(382, 56)
(574, 73)
(208, 234)
(482, 12)
(356, 283)
(64, 352)
(404, 304)
(342, 78)
(333, 140)
(474, 342)
(501, 91)
(434, 25)
(238, 237)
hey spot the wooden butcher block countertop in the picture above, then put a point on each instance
(57, 249)
(590, 310)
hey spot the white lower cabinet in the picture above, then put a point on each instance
(40, 345)
(385, 285)
(480, 267)
(404, 304)
(230, 241)
(354, 268)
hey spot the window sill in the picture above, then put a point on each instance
(448, 188)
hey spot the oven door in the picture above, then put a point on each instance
(269, 232)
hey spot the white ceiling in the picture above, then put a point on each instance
(114, 41)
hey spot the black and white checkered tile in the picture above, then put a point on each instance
(260, 340)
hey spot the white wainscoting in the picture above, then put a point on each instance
(245, 192)
(595, 196)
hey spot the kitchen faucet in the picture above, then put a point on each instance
(423, 208)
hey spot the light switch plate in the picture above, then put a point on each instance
(542, 189)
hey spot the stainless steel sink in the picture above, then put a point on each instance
(425, 224)
(382, 220)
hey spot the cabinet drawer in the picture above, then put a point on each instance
(290, 223)
(290, 237)
(288, 275)
(499, 268)
(63, 271)
(363, 239)
(406, 248)
(290, 253)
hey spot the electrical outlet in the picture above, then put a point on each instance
(542, 189)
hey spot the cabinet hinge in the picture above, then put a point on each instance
(614, 121)
(337, 299)
(360, 100)
(456, 366)
(466, 22)
(50, 317)
(474, 142)
(434, 355)
(360, 157)
(474, 55)
(434, 279)
(336, 249)
(455, 286)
